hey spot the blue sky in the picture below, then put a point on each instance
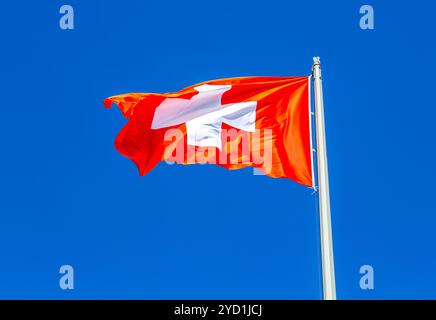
(201, 232)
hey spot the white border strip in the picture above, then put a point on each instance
(309, 79)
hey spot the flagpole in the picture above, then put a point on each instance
(328, 267)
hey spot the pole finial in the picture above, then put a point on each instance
(316, 68)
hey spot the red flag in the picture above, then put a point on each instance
(263, 122)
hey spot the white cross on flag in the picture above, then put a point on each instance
(204, 115)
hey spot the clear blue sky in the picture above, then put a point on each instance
(68, 197)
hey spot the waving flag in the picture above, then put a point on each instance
(263, 122)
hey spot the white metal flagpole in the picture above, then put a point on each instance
(328, 266)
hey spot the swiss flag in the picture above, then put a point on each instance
(263, 122)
